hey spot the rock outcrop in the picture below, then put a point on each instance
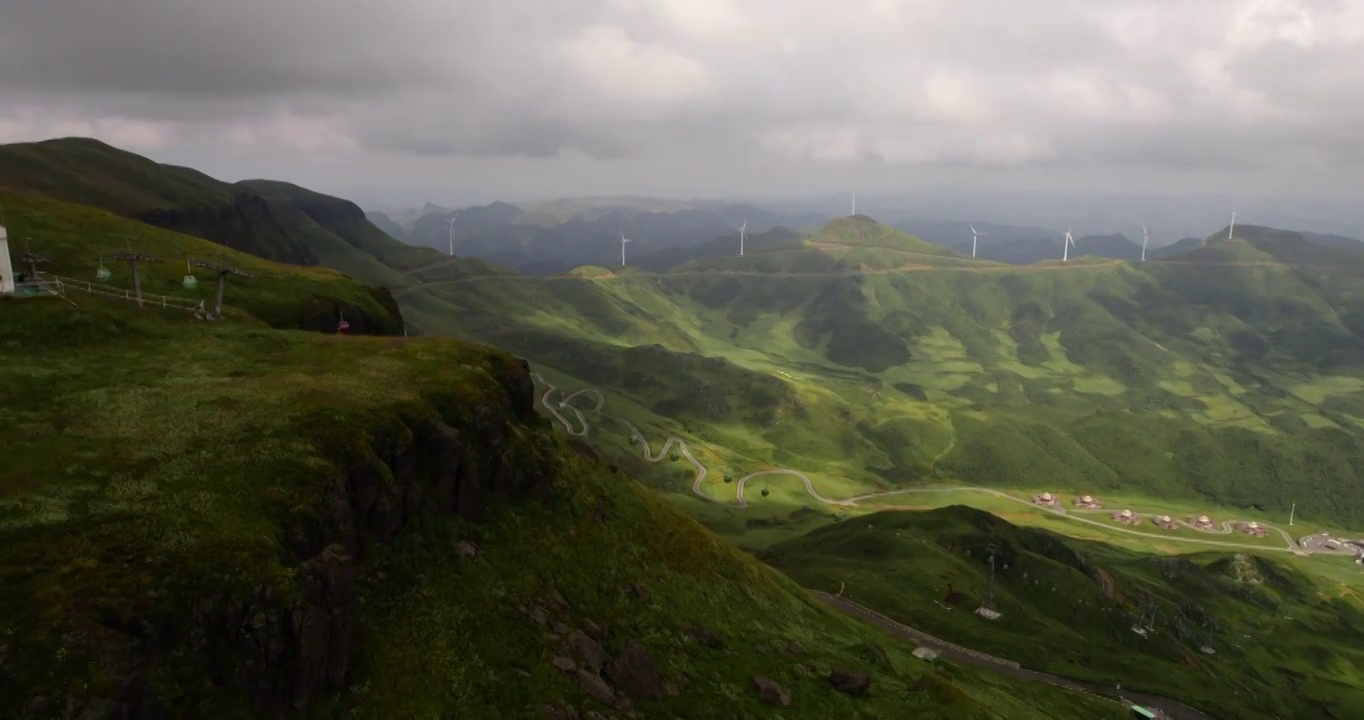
(284, 646)
(850, 682)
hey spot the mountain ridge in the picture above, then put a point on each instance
(269, 219)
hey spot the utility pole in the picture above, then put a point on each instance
(987, 607)
(223, 271)
(133, 259)
(990, 590)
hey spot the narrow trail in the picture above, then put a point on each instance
(742, 503)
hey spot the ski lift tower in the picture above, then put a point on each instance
(987, 607)
(32, 260)
(223, 271)
(133, 258)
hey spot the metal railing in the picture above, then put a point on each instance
(61, 284)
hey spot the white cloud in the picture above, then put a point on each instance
(27, 125)
(606, 62)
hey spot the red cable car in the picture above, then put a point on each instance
(343, 327)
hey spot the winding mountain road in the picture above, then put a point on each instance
(1174, 709)
(741, 502)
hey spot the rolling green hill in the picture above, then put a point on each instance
(78, 240)
(1226, 375)
(272, 220)
(668, 258)
(1284, 643)
(226, 521)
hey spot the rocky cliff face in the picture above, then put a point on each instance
(283, 645)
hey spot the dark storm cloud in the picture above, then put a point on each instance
(198, 48)
(1230, 84)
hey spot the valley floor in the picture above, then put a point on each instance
(1279, 541)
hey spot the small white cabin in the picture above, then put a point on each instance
(6, 268)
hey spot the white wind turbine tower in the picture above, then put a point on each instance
(1232, 228)
(854, 204)
(1070, 243)
(743, 230)
(1144, 238)
(974, 235)
(622, 248)
(451, 222)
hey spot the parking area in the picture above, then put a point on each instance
(1325, 542)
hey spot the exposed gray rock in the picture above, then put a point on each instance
(770, 692)
(850, 682)
(589, 651)
(595, 686)
(709, 638)
(635, 672)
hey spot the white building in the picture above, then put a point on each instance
(6, 268)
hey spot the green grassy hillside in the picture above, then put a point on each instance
(77, 240)
(1285, 644)
(1228, 375)
(276, 221)
(228, 521)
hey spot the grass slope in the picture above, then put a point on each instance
(1286, 644)
(192, 457)
(276, 221)
(1229, 374)
(75, 239)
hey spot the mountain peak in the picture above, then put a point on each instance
(864, 232)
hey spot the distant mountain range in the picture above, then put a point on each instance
(556, 236)
(551, 237)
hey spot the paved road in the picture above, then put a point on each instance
(1292, 546)
(809, 486)
(1176, 710)
(553, 408)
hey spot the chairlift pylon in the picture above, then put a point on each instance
(103, 273)
(190, 281)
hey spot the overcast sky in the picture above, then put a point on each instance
(461, 101)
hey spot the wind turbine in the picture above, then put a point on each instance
(622, 248)
(1232, 228)
(974, 235)
(743, 230)
(854, 204)
(1144, 238)
(451, 221)
(1065, 249)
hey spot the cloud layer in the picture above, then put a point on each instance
(1230, 85)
